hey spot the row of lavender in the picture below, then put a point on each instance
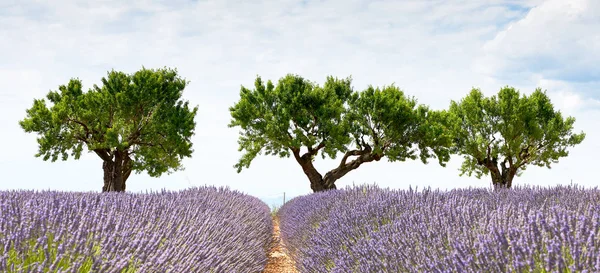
(197, 230)
(368, 229)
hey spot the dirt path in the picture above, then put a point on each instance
(279, 262)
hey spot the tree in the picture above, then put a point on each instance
(132, 122)
(501, 135)
(300, 118)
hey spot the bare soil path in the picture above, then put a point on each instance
(279, 261)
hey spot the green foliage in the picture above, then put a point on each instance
(32, 253)
(296, 113)
(396, 126)
(518, 129)
(141, 114)
(332, 118)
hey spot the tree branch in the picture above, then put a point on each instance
(344, 168)
(349, 154)
(314, 151)
(489, 149)
(85, 127)
(386, 144)
(296, 153)
(104, 154)
(143, 143)
(503, 164)
(81, 138)
(525, 155)
(310, 130)
(138, 132)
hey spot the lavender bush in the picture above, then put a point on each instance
(197, 230)
(368, 229)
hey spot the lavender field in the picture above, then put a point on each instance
(361, 229)
(197, 230)
(368, 229)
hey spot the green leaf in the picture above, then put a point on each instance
(298, 114)
(140, 114)
(510, 127)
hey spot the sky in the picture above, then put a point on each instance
(432, 49)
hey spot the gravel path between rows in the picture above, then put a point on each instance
(279, 261)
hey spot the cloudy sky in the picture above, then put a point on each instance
(435, 50)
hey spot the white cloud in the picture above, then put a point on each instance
(428, 48)
(558, 40)
(566, 98)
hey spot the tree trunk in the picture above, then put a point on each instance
(322, 183)
(317, 183)
(501, 178)
(116, 172)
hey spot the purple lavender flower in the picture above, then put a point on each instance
(196, 230)
(368, 229)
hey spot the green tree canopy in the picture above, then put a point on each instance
(300, 118)
(132, 122)
(501, 135)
